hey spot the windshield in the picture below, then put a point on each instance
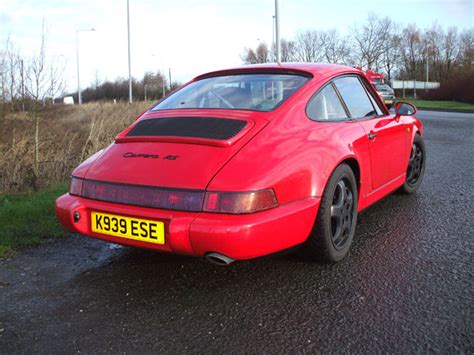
(257, 92)
(382, 87)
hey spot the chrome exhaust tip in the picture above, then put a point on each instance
(219, 259)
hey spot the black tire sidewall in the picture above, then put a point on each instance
(321, 236)
(407, 188)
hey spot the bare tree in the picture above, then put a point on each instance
(259, 55)
(450, 48)
(152, 84)
(412, 48)
(9, 62)
(308, 47)
(44, 75)
(3, 68)
(369, 40)
(13, 59)
(466, 49)
(433, 38)
(391, 56)
(288, 50)
(336, 49)
(44, 78)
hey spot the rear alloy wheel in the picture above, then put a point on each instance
(335, 224)
(416, 166)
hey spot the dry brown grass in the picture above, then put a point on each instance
(67, 135)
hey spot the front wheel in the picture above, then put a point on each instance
(335, 224)
(416, 166)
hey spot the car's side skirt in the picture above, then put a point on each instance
(382, 191)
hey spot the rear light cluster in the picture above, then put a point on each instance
(175, 199)
(240, 202)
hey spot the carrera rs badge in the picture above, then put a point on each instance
(152, 156)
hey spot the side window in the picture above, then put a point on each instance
(375, 103)
(355, 97)
(326, 106)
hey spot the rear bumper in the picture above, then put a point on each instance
(190, 233)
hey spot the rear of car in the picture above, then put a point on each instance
(149, 189)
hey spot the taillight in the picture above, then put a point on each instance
(75, 187)
(239, 202)
(175, 199)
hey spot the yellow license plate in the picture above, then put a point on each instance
(389, 101)
(127, 227)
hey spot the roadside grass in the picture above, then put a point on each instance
(27, 218)
(451, 105)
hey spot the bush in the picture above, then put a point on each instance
(459, 88)
(67, 135)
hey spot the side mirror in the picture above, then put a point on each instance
(404, 109)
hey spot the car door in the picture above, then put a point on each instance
(385, 134)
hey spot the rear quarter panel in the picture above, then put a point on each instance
(295, 156)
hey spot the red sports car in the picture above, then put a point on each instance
(247, 162)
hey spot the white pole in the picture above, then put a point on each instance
(79, 96)
(79, 99)
(129, 60)
(273, 39)
(277, 33)
(169, 72)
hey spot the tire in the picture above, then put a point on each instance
(416, 166)
(334, 228)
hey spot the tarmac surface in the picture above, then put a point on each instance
(407, 284)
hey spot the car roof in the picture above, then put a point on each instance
(315, 69)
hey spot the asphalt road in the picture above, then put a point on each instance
(406, 286)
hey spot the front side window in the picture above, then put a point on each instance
(378, 109)
(326, 106)
(355, 97)
(257, 92)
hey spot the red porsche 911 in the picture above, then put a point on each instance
(247, 162)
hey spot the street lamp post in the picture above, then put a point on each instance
(277, 32)
(273, 39)
(169, 75)
(79, 98)
(129, 59)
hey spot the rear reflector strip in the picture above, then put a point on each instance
(175, 199)
(145, 196)
(196, 127)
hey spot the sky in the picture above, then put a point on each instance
(190, 36)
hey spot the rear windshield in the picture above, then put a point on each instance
(257, 92)
(382, 87)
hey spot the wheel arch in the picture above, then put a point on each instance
(354, 165)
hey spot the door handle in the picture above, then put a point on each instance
(372, 135)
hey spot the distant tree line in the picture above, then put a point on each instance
(152, 86)
(382, 45)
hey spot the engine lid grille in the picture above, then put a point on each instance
(194, 127)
